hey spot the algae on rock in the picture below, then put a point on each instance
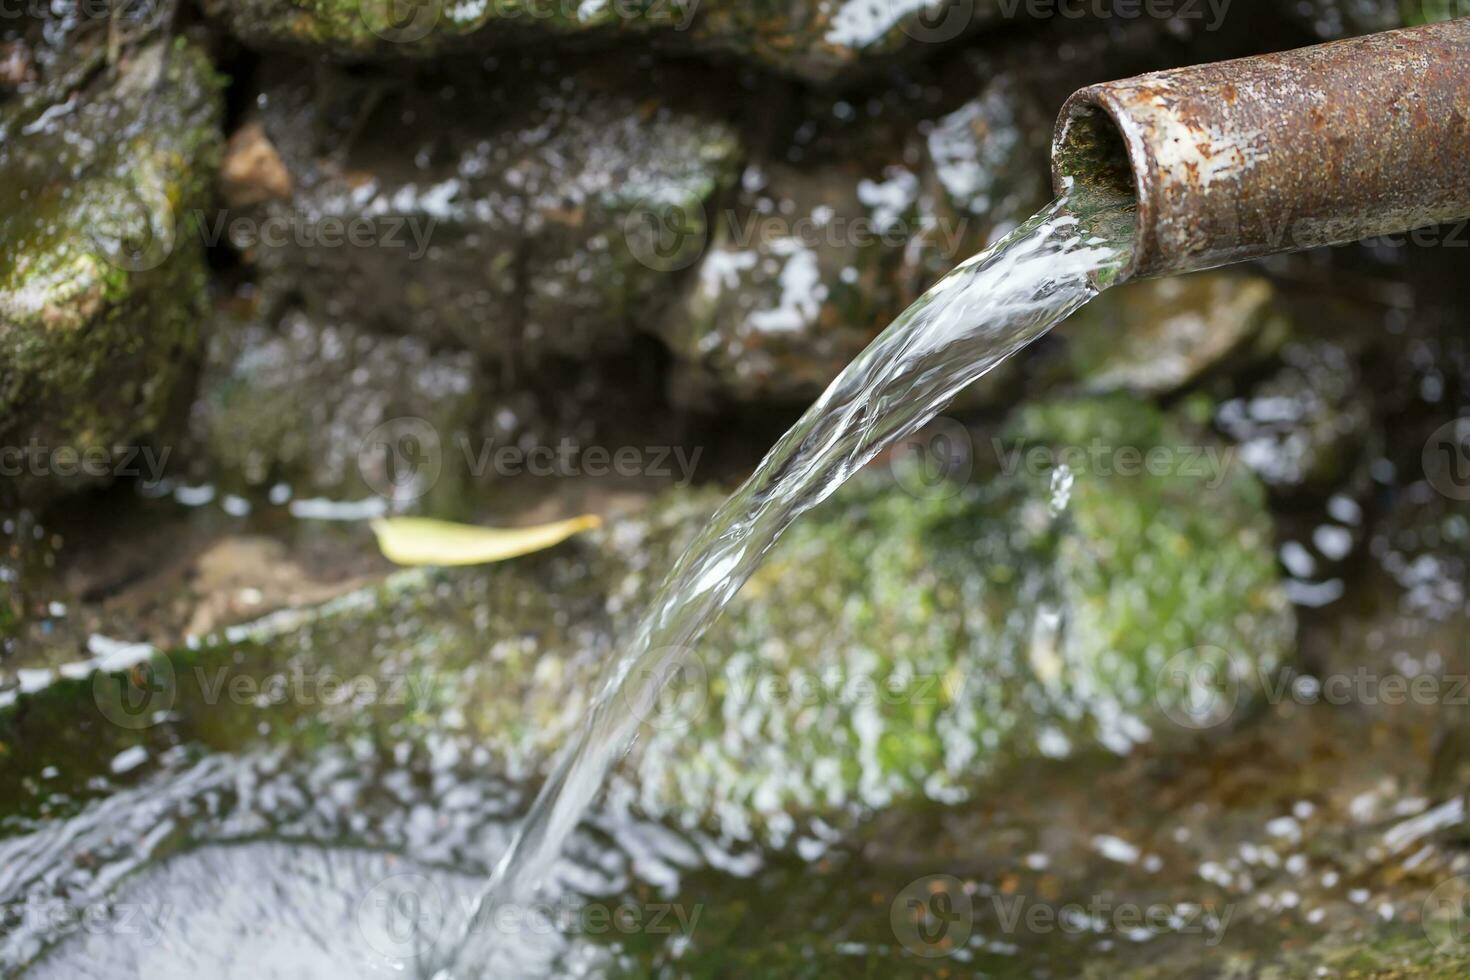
(102, 276)
(893, 646)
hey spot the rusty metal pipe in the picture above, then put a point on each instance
(1317, 146)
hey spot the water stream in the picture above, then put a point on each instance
(976, 317)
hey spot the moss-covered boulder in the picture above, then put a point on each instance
(935, 637)
(941, 636)
(1155, 336)
(819, 40)
(102, 273)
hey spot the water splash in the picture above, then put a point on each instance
(973, 319)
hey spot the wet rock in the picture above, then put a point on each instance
(47, 51)
(330, 410)
(252, 171)
(513, 213)
(819, 40)
(1156, 336)
(795, 284)
(1305, 426)
(813, 259)
(938, 635)
(101, 281)
(292, 407)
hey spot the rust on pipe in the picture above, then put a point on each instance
(1317, 146)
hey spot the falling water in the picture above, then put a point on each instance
(983, 312)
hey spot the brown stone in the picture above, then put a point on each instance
(252, 172)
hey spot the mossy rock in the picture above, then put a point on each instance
(892, 646)
(102, 277)
(818, 40)
(1155, 336)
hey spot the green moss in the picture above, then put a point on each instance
(102, 291)
(891, 647)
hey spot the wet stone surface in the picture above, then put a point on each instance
(793, 719)
(817, 40)
(1156, 336)
(1025, 719)
(101, 278)
(514, 212)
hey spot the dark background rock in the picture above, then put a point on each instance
(497, 211)
(817, 40)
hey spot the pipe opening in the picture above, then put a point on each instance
(1090, 163)
(1091, 151)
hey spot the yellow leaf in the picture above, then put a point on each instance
(425, 541)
